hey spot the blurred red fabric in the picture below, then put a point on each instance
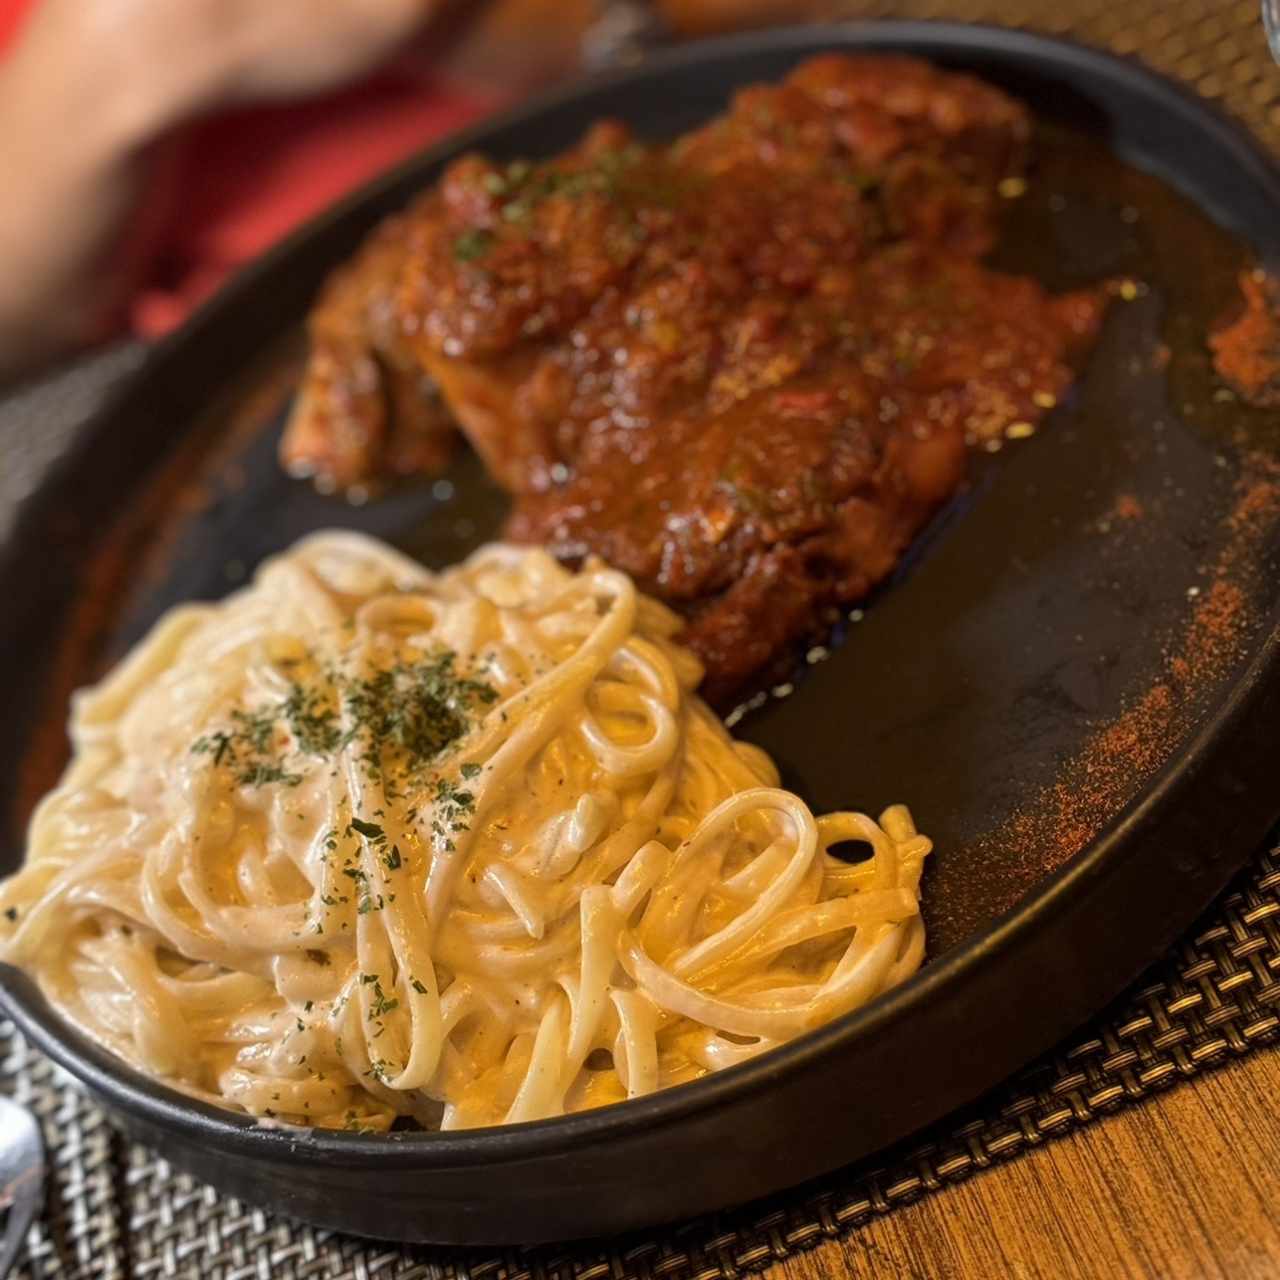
(237, 182)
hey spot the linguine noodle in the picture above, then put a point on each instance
(365, 841)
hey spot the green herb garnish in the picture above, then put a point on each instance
(472, 244)
(404, 718)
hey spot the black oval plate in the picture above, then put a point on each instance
(1072, 681)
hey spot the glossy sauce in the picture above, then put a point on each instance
(744, 366)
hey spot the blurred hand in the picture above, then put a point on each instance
(286, 47)
(156, 60)
(87, 93)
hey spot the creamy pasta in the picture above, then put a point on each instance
(365, 841)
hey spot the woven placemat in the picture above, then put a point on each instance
(118, 1210)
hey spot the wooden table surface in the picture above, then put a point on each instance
(1183, 1186)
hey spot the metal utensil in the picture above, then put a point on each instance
(21, 1178)
(1271, 20)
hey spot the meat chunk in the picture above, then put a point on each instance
(744, 366)
(367, 407)
(756, 514)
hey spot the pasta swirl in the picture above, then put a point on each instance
(365, 842)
